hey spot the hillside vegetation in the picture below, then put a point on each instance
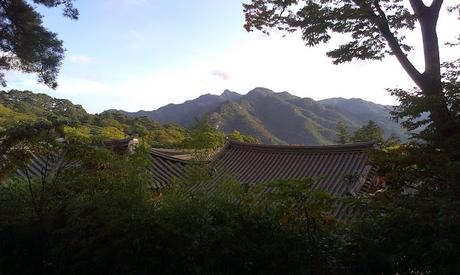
(25, 106)
(278, 118)
(99, 212)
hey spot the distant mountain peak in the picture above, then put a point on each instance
(230, 95)
(277, 117)
(261, 91)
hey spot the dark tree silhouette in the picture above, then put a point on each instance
(26, 45)
(376, 29)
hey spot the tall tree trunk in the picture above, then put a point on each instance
(446, 126)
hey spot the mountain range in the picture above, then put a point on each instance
(277, 118)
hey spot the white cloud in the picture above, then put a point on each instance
(80, 59)
(221, 74)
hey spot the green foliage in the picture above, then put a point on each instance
(98, 215)
(342, 134)
(19, 141)
(369, 24)
(168, 136)
(82, 212)
(310, 122)
(41, 105)
(95, 212)
(8, 116)
(368, 133)
(28, 45)
(82, 133)
(307, 213)
(411, 227)
(16, 106)
(203, 136)
(414, 111)
(109, 133)
(237, 136)
(204, 140)
(219, 232)
(376, 28)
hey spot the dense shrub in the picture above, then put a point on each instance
(104, 218)
(98, 214)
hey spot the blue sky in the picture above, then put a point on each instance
(143, 54)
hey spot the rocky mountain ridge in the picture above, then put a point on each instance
(278, 118)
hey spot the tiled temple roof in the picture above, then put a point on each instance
(253, 163)
(166, 168)
(38, 165)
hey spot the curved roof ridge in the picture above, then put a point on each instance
(313, 148)
(160, 154)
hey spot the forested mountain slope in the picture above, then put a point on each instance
(186, 113)
(279, 118)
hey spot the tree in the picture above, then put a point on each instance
(50, 183)
(237, 136)
(376, 29)
(368, 133)
(203, 136)
(26, 45)
(342, 133)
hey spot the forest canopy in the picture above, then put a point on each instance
(25, 106)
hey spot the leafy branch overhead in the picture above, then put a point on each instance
(370, 24)
(68, 8)
(375, 29)
(26, 45)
